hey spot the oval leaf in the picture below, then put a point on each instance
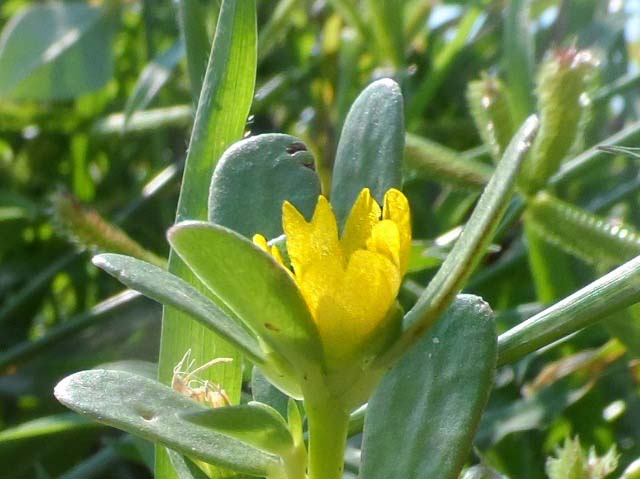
(262, 390)
(152, 411)
(170, 290)
(255, 177)
(371, 147)
(432, 400)
(252, 285)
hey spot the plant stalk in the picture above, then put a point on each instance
(328, 425)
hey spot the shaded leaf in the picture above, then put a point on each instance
(153, 411)
(255, 177)
(371, 147)
(235, 269)
(255, 423)
(432, 400)
(168, 289)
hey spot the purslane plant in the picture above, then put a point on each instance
(322, 321)
(314, 310)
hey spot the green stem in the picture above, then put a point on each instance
(328, 424)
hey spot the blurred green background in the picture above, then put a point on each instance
(95, 114)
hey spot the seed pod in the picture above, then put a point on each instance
(89, 230)
(489, 105)
(590, 237)
(563, 85)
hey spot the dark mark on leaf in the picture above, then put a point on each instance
(296, 147)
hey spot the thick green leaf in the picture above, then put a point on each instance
(221, 114)
(257, 424)
(133, 366)
(371, 147)
(170, 290)
(56, 51)
(252, 285)
(255, 177)
(613, 292)
(151, 410)
(470, 246)
(152, 78)
(428, 406)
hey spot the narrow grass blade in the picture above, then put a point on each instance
(471, 245)
(151, 80)
(613, 292)
(550, 267)
(441, 65)
(387, 22)
(519, 57)
(104, 310)
(192, 16)
(143, 122)
(583, 162)
(223, 106)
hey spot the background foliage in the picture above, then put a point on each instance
(95, 113)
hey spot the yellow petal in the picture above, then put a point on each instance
(357, 304)
(275, 252)
(318, 280)
(312, 242)
(385, 240)
(260, 241)
(364, 215)
(396, 209)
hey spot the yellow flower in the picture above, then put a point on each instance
(349, 283)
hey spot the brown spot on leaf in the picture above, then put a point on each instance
(296, 147)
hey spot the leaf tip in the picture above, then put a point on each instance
(100, 260)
